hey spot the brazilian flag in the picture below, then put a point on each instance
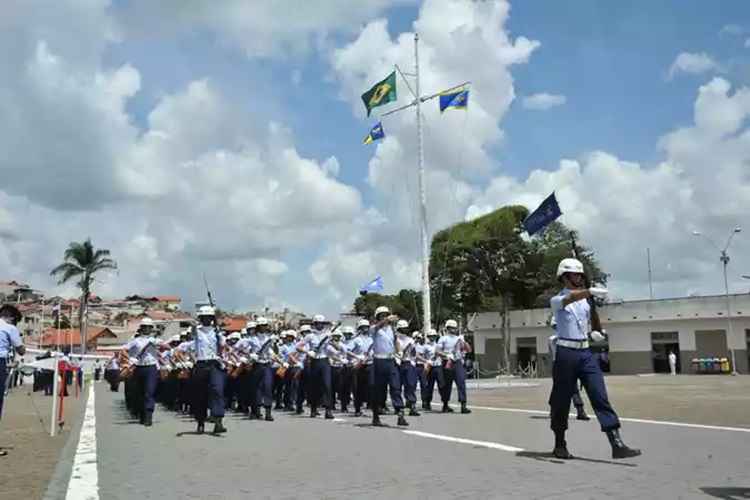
(381, 93)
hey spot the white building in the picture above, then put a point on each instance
(641, 333)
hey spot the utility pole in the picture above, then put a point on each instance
(650, 283)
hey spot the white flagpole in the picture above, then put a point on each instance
(426, 319)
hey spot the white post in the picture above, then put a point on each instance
(730, 339)
(423, 202)
(650, 284)
(55, 391)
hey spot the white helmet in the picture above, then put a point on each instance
(290, 333)
(234, 336)
(416, 334)
(362, 322)
(174, 338)
(250, 325)
(451, 323)
(402, 323)
(432, 333)
(348, 329)
(146, 322)
(261, 321)
(382, 310)
(569, 266)
(319, 318)
(206, 311)
(304, 328)
(337, 333)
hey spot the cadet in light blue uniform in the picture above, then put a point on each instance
(574, 360)
(261, 375)
(451, 348)
(303, 372)
(347, 374)
(288, 354)
(244, 347)
(10, 342)
(112, 373)
(208, 379)
(361, 353)
(408, 367)
(144, 349)
(384, 373)
(320, 390)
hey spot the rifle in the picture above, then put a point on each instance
(217, 326)
(596, 323)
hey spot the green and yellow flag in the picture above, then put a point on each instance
(381, 93)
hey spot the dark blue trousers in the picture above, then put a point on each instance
(409, 378)
(320, 386)
(208, 390)
(436, 377)
(291, 387)
(457, 374)
(362, 391)
(303, 389)
(3, 378)
(243, 391)
(570, 366)
(264, 389)
(146, 379)
(384, 376)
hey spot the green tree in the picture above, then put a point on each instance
(407, 304)
(82, 262)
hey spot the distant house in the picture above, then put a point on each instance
(52, 337)
(234, 324)
(165, 302)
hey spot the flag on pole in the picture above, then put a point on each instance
(375, 285)
(56, 308)
(375, 134)
(540, 218)
(381, 93)
(457, 99)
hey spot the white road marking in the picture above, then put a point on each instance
(84, 478)
(625, 419)
(483, 444)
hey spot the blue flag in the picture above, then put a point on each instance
(458, 99)
(375, 285)
(376, 133)
(540, 218)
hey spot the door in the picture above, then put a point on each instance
(711, 344)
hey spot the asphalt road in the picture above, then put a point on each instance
(504, 454)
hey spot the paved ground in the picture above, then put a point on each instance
(33, 454)
(489, 454)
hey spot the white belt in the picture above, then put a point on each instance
(383, 356)
(573, 344)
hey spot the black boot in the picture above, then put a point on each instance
(299, 410)
(344, 409)
(201, 428)
(357, 412)
(269, 417)
(314, 412)
(413, 410)
(561, 447)
(425, 406)
(401, 420)
(148, 419)
(376, 418)
(278, 406)
(464, 409)
(582, 414)
(447, 408)
(620, 449)
(254, 413)
(329, 414)
(219, 426)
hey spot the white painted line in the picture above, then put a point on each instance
(625, 419)
(483, 444)
(84, 478)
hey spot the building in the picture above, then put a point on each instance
(640, 334)
(71, 337)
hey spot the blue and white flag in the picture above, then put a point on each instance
(375, 285)
(540, 218)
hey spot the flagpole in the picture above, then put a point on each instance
(426, 320)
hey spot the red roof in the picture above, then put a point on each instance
(168, 298)
(236, 324)
(73, 335)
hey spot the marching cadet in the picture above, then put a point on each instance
(577, 401)
(384, 373)
(144, 349)
(574, 360)
(208, 373)
(408, 366)
(451, 348)
(289, 355)
(336, 353)
(433, 369)
(10, 343)
(319, 385)
(245, 347)
(181, 355)
(168, 384)
(421, 363)
(261, 376)
(303, 372)
(361, 352)
(346, 381)
(232, 383)
(112, 373)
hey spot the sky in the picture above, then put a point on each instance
(225, 139)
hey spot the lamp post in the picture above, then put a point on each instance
(724, 258)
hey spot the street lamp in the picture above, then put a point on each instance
(724, 258)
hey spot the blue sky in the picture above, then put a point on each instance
(216, 78)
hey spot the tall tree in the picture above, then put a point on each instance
(407, 304)
(82, 262)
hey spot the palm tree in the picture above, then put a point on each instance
(82, 261)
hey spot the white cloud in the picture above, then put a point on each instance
(731, 30)
(747, 43)
(543, 101)
(692, 63)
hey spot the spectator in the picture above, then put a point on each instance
(10, 342)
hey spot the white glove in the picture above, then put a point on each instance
(597, 336)
(254, 357)
(461, 338)
(599, 292)
(286, 365)
(243, 359)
